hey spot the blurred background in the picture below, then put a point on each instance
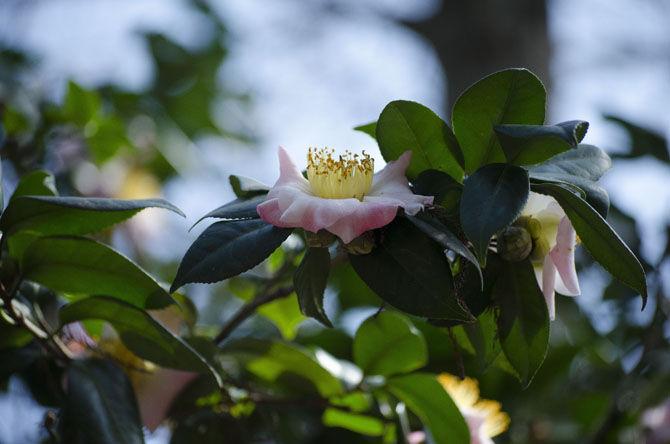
(168, 97)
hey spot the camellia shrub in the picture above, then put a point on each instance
(470, 229)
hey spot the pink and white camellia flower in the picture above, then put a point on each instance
(554, 241)
(341, 195)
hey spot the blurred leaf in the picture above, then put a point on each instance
(209, 427)
(492, 198)
(351, 290)
(140, 333)
(581, 167)
(512, 96)
(643, 141)
(226, 249)
(404, 125)
(369, 128)
(531, 144)
(72, 215)
(35, 183)
(105, 135)
(13, 336)
(363, 424)
(354, 401)
(481, 339)
(84, 266)
(100, 406)
(246, 187)
(523, 318)
(437, 231)
(445, 190)
(409, 271)
(237, 209)
(272, 360)
(285, 314)
(599, 238)
(310, 280)
(15, 123)
(388, 343)
(428, 400)
(80, 105)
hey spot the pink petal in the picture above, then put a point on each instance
(563, 257)
(156, 391)
(288, 172)
(392, 175)
(548, 283)
(366, 216)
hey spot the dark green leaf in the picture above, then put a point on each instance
(100, 406)
(72, 215)
(445, 190)
(273, 360)
(226, 249)
(482, 338)
(388, 343)
(310, 280)
(643, 141)
(512, 96)
(428, 400)
(84, 266)
(140, 333)
(237, 209)
(410, 271)
(437, 231)
(246, 187)
(369, 128)
(492, 198)
(599, 238)
(365, 425)
(531, 144)
(523, 319)
(580, 167)
(405, 125)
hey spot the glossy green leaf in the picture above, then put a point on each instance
(363, 424)
(369, 128)
(599, 238)
(428, 400)
(100, 405)
(481, 338)
(492, 199)
(140, 333)
(512, 96)
(405, 125)
(226, 249)
(276, 360)
(445, 190)
(439, 232)
(580, 167)
(523, 319)
(310, 280)
(236, 209)
(246, 187)
(84, 266)
(532, 144)
(72, 215)
(388, 343)
(410, 271)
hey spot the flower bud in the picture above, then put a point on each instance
(514, 244)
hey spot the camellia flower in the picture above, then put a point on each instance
(340, 195)
(484, 417)
(553, 254)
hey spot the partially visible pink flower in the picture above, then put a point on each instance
(656, 422)
(554, 242)
(155, 387)
(341, 196)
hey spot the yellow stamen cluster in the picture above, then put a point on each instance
(341, 177)
(465, 394)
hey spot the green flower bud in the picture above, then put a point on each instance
(514, 244)
(321, 239)
(363, 244)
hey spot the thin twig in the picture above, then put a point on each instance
(249, 309)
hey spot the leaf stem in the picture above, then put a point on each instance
(249, 309)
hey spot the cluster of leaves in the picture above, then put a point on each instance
(480, 174)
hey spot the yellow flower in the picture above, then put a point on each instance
(484, 417)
